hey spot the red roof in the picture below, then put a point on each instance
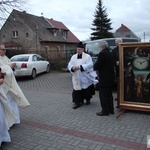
(59, 25)
(123, 28)
(12, 44)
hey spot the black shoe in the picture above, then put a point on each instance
(101, 114)
(76, 106)
(88, 103)
(111, 112)
(82, 102)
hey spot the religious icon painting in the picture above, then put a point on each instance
(134, 68)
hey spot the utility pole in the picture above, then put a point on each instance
(144, 36)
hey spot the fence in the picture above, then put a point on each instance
(57, 59)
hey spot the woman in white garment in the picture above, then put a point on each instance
(10, 86)
(7, 116)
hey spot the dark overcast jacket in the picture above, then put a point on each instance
(105, 67)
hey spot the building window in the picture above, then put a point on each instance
(128, 35)
(14, 34)
(3, 37)
(64, 33)
(46, 48)
(58, 49)
(55, 32)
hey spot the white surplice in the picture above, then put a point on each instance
(82, 79)
(15, 107)
(12, 92)
(4, 135)
(7, 117)
(10, 84)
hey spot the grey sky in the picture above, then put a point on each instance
(78, 15)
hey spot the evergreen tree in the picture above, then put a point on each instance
(102, 23)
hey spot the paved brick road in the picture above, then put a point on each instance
(50, 123)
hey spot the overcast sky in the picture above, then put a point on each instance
(78, 15)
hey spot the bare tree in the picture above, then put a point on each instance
(6, 6)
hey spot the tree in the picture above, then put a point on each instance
(102, 23)
(6, 6)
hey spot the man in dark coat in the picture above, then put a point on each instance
(105, 67)
(115, 53)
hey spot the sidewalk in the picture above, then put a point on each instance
(50, 123)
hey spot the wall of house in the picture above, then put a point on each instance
(57, 57)
(26, 37)
(55, 52)
(57, 49)
(127, 34)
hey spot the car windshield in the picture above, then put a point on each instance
(20, 58)
(92, 47)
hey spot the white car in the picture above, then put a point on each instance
(30, 65)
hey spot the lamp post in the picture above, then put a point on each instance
(144, 36)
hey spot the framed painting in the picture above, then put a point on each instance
(134, 85)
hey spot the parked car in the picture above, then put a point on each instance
(30, 65)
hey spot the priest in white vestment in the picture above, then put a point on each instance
(7, 116)
(83, 77)
(4, 134)
(10, 85)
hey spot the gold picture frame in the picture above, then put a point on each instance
(134, 78)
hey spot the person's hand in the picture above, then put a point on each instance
(13, 65)
(76, 68)
(1, 81)
(117, 63)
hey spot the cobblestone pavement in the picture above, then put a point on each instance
(50, 123)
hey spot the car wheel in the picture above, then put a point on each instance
(48, 69)
(33, 75)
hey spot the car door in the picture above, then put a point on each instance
(42, 63)
(36, 63)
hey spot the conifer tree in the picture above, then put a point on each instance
(101, 23)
